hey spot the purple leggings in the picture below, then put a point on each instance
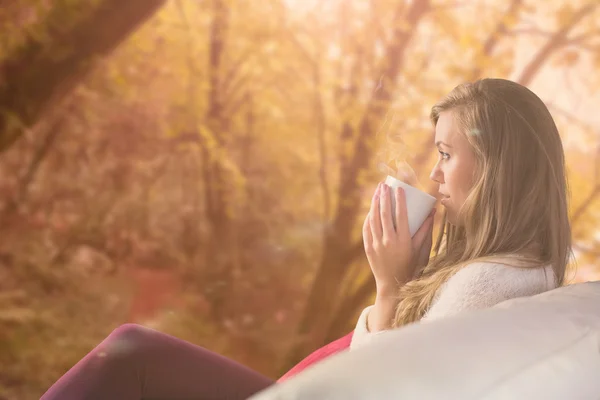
(135, 362)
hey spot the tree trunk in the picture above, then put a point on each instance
(217, 273)
(48, 66)
(323, 296)
(345, 316)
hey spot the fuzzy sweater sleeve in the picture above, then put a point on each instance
(483, 285)
(361, 334)
(476, 286)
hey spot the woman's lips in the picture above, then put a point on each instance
(444, 200)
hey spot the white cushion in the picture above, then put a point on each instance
(541, 347)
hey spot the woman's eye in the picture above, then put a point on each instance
(445, 156)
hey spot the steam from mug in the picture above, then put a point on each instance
(418, 204)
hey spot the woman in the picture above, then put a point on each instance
(501, 176)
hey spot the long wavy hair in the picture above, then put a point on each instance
(517, 211)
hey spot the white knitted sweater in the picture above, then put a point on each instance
(476, 286)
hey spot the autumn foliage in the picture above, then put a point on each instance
(204, 168)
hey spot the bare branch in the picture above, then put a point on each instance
(299, 46)
(581, 39)
(500, 30)
(228, 80)
(587, 47)
(530, 22)
(193, 70)
(558, 40)
(232, 98)
(39, 156)
(534, 31)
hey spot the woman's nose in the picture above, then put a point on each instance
(436, 174)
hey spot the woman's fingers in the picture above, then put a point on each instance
(424, 231)
(367, 236)
(401, 212)
(375, 215)
(386, 212)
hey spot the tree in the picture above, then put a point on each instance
(39, 74)
(505, 29)
(338, 239)
(276, 113)
(319, 308)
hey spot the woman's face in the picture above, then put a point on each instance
(456, 165)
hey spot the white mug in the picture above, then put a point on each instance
(418, 204)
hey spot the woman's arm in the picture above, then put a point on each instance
(361, 333)
(374, 319)
(393, 257)
(476, 286)
(382, 314)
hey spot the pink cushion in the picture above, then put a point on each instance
(328, 350)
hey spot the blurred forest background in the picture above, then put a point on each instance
(204, 167)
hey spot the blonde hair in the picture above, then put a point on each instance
(517, 212)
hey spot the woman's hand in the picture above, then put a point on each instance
(394, 257)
